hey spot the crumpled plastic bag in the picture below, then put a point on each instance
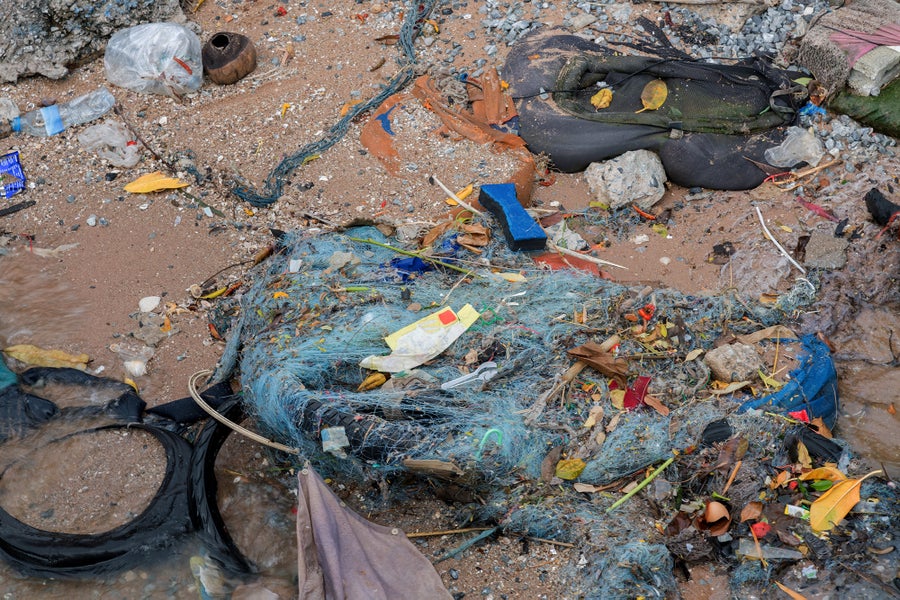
(800, 145)
(155, 58)
(113, 142)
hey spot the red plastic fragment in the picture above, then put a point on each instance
(761, 529)
(635, 393)
(800, 415)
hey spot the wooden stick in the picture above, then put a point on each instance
(561, 381)
(809, 172)
(467, 544)
(553, 246)
(468, 207)
(734, 471)
(446, 532)
(554, 542)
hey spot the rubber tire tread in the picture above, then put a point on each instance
(207, 518)
(48, 554)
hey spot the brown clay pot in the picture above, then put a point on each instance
(228, 57)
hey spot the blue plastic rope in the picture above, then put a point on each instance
(274, 184)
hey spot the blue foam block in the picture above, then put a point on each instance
(521, 231)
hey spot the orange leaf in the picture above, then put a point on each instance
(832, 506)
(780, 480)
(790, 592)
(753, 510)
(656, 405)
(821, 427)
(826, 473)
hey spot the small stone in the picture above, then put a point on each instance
(636, 177)
(825, 251)
(91, 220)
(734, 362)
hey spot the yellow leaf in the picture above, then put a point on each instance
(617, 397)
(693, 354)
(32, 355)
(214, 294)
(461, 194)
(823, 473)
(154, 182)
(803, 456)
(595, 415)
(832, 506)
(790, 592)
(277, 295)
(373, 381)
(730, 388)
(654, 95)
(602, 99)
(569, 468)
(770, 381)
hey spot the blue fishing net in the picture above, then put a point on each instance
(325, 302)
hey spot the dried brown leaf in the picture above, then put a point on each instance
(753, 510)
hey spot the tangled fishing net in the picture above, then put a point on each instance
(323, 303)
(326, 302)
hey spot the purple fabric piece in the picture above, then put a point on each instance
(857, 43)
(342, 556)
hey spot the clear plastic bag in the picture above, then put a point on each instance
(113, 142)
(155, 58)
(800, 145)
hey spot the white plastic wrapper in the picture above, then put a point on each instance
(113, 142)
(155, 58)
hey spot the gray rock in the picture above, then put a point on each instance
(581, 21)
(734, 362)
(44, 37)
(636, 177)
(824, 251)
(9, 110)
(873, 70)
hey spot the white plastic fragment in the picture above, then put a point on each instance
(148, 303)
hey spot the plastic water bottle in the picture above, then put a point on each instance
(51, 120)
